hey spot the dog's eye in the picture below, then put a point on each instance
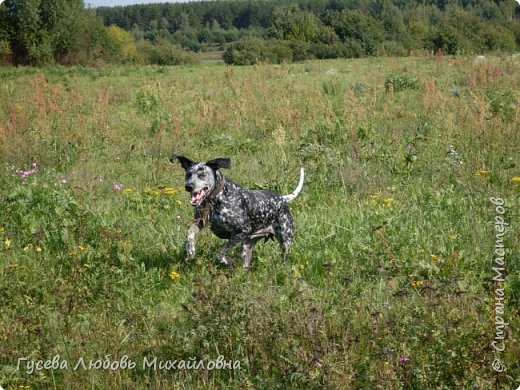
(202, 175)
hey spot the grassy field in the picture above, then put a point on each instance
(389, 285)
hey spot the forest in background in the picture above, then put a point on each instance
(39, 32)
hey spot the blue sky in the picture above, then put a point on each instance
(98, 3)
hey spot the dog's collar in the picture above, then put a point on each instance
(218, 189)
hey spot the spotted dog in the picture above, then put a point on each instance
(241, 216)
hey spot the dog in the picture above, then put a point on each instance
(238, 215)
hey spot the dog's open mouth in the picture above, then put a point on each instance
(198, 196)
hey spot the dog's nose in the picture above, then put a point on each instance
(189, 187)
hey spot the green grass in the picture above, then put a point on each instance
(389, 285)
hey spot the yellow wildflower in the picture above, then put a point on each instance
(81, 248)
(374, 199)
(388, 201)
(7, 243)
(169, 191)
(434, 257)
(417, 283)
(38, 249)
(516, 179)
(178, 202)
(2, 229)
(174, 275)
(127, 190)
(302, 266)
(481, 172)
(28, 248)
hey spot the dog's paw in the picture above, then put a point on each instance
(224, 260)
(189, 249)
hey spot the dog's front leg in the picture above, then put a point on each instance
(200, 219)
(189, 245)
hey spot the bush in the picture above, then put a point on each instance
(392, 49)
(6, 54)
(164, 53)
(301, 50)
(401, 82)
(254, 51)
(326, 51)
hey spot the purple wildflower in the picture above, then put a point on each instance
(25, 174)
(404, 359)
(117, 186)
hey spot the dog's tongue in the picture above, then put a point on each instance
(196, 197)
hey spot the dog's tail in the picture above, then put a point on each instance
(295, 193)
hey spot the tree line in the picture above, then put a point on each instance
(249, 31)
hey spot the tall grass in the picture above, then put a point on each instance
(389, 285)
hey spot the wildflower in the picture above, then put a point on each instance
(387, 363)
(178, 202)
(87, 266)
(117, 186)
(7, 243)
(27, 247)
(169, 191)
(318, 364)
(101, 179)
(374, 199)
(38, 249)
(481, 172)
(128, 190)
(516, 179)
(453, 237)
(81, 248)
(417, 283)
(388, 201)
(404, 359)
(64, 181)
(27, 173)
(2, 229)
(302, 266)
(174, 275)
(434, 257)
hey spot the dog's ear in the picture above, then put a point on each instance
(217, 163)
(185, 162)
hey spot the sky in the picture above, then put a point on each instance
(109, 3)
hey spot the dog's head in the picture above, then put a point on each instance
(201, 177)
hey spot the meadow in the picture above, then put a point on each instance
(390, 281)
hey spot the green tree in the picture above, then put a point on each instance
(123, 47)
(42, 31)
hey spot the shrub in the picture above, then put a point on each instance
(326, 51)
(254, 51)
(164, 53)
(6, 54)
(401, 82)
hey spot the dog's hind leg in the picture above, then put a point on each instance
(233, 241)
(284, 232)
(247, 250)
